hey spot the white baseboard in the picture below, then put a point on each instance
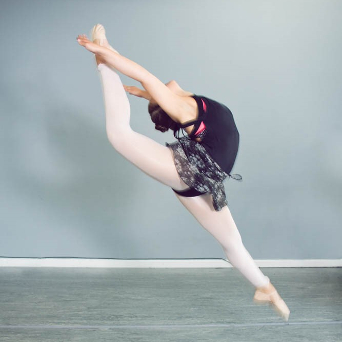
(159, 263)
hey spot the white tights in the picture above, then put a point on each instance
(156, 160)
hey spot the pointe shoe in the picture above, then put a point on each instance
(99, 32)
(273, 299)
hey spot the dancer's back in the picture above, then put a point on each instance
(220, 136)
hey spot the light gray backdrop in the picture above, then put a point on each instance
(276, 64)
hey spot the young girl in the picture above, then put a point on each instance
(195, 165)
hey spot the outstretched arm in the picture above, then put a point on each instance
(174, 105)
(138, 92)
(172, 85)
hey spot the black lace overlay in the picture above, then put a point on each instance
(199, 171)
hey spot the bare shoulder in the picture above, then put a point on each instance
(190, 111)
(170, 97)
(189, 104)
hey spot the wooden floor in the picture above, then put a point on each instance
(89, 304)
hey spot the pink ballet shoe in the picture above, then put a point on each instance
(273, 299)
(99, 32)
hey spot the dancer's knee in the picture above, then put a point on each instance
(119, 136)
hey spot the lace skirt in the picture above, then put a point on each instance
(199, 171)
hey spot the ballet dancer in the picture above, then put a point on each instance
(195, 165)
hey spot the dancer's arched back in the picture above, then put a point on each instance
(155, 159)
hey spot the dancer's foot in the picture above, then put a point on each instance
(269, 288)
(98, 35)
(269, 295)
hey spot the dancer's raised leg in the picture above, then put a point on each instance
(151, 157)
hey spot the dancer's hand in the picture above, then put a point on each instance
(84, 41)
(137, 92)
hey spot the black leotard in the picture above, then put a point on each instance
(220, 137)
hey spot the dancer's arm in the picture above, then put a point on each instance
(138, 92)
(146, 95)
(174, 105)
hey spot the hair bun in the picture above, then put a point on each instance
(161, 128)
(160, 118)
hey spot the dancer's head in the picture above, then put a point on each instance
(162, 121)
(160, 118)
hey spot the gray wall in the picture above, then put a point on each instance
(276, 64)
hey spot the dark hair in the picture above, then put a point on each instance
(159, 117)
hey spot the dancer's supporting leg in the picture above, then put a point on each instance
(221, 225)
(151, 157)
